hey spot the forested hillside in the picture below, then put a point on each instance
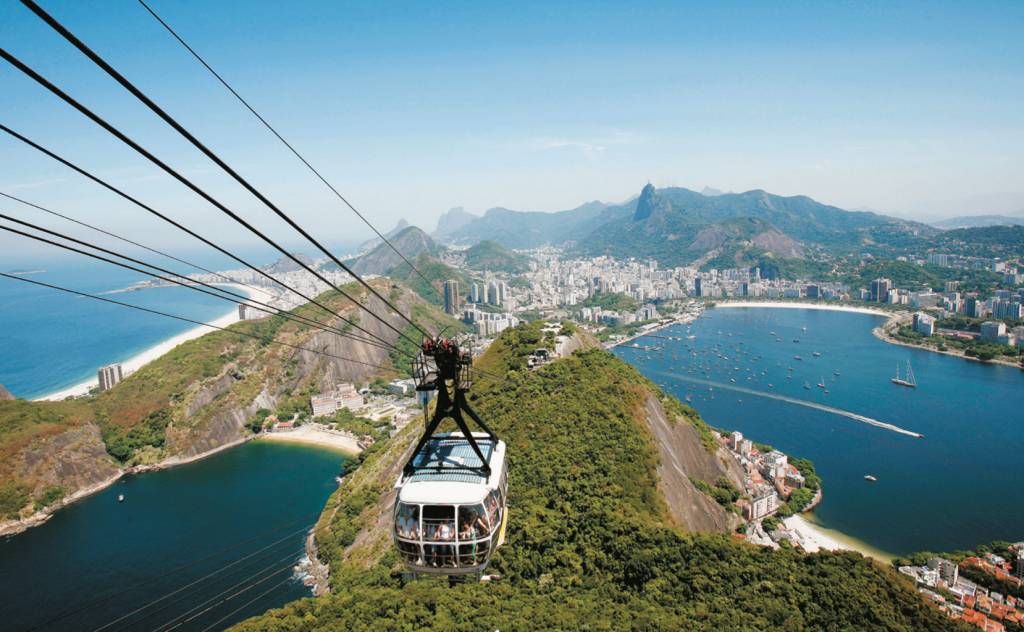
(196, 398)
(591, 544)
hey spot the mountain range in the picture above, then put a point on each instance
(979, 221)
(678, 226)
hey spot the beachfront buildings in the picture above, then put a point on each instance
(764, 501)
(248, 312)
(993, 331)
(109, 375)
(343, 396)
(924, 324)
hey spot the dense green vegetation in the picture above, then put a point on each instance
(122, 442)
(610, 301)
(590, 545)
(490, 256)
(13, 496)
(50, 495)
(905, 274)
(724, 492)
(984, 351)
(983, 241)
(802, 497)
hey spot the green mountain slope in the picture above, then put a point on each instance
(198, 397)
(591, 544)
(678, 226)
(491, 256)
(410, 241)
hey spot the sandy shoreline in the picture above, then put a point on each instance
(817, 538)
(799, 305)
(139, 360)
(312, 435)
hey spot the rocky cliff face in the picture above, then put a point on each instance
(684, 457)
(74, 460)
(5, 395)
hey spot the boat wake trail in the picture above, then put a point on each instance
(792, 400)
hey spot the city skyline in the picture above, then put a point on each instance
(411, 111)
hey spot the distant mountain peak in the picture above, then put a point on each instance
(647, 203)
(286, 264)
(710, 192)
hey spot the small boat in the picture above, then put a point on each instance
(908, 380)
(804, 328)
(807, 386)
(796, 340)
(869, 477)
(835, 372)
(821, 384)
(816, 354)
(120, 498)
(797, 358)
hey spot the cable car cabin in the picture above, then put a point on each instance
(450, 515)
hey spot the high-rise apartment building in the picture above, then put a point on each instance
(109, 376)
(451, 297)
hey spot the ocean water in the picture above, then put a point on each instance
(956, 487)
(50, 340)
(204, 544)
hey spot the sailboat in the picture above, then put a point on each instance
(821, 384)
(908, 380)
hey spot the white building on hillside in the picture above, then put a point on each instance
(343, 396)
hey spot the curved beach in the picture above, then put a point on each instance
(136, 362)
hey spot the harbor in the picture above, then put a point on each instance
(739, 373)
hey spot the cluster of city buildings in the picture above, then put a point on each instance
(768, 478)
(940, 580)
(749, 283)
(1011, 274)
(1007, 304)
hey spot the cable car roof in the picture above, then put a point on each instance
(444, 471)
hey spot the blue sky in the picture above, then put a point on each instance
(412, 108)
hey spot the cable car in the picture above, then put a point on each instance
(450, 511)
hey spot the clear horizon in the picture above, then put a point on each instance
(910, 110)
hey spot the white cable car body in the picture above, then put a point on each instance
(449, 522)
(450, 512)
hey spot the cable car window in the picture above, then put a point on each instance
(407, 525)
(410, 552)
(472, 523)
(439, 527)
(493, 506)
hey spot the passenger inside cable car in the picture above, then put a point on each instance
(450, 522)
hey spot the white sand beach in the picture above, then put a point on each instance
(799, 305)
(816, 538)
(139, 360)
(314, 435)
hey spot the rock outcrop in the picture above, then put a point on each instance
(684, 457)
